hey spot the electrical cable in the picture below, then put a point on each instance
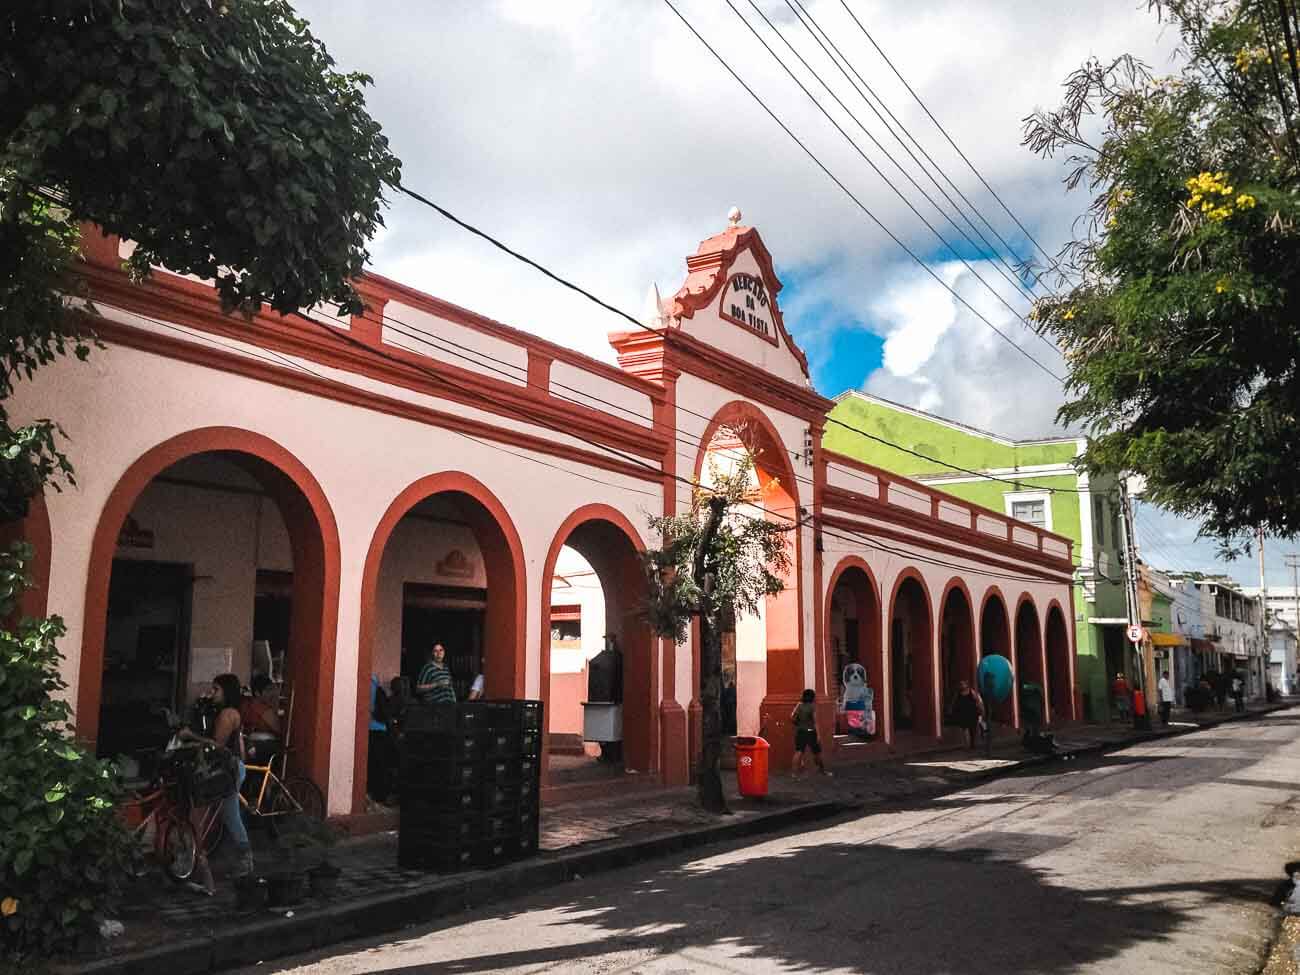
(858, 202)
(1016, 284)
(807, 19)
(1023, 229)
(878, 171)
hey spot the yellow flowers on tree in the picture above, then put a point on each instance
(1177, 309)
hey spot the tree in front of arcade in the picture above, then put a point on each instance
(218, 136)
(716, 563)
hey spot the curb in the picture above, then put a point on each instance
(276, 937)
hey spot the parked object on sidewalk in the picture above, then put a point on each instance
(1122, 695)
(751, 765)
(470, 777)
(857, 702)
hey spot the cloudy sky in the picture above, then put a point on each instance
(602, 139)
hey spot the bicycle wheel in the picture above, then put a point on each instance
(179, 848)
(311, 802)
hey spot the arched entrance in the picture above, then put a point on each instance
(853, 630)
(593, 571)
(957, 655)
(995, 637)
(1060, 686)
(445, 566)
(210, 543)
(763, 658)
(912, 662)
(1029, 649)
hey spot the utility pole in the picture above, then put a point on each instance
(1140, 721)
(1263, 613)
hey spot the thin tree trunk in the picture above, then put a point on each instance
(710, 777)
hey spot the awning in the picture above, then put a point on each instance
(1204, 646)
(1169, 640)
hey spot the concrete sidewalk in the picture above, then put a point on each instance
(168, 927)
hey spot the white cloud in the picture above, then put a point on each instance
(603, 140)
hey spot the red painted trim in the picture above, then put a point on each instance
(319, 710)
(936, 494)
(195, 306)
(709, 268)
(1054, 606)
(236, 364)
(539, 374)
(911, 572)
(958, 583)
(396, 291)
(588, 512)
(35, 531)
(503, 557)
(673, 351)
(930, 546)
(853, 503)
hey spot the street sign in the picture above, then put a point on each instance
(1136, 633)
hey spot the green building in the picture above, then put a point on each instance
(1045, 490)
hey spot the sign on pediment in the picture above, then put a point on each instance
(745, 302)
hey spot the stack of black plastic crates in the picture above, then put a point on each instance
(470, 776)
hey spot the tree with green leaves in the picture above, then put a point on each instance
(716, 563)
(1177, 307)
(220, 137)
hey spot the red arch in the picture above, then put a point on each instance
(1060, 663)
(640, 685)
(785, 624)
(501, 550)
(313, 533)
(1007, 711)
(924, 703)
(1030, 666)
(34, 529)
(968, 644)
(870, 650)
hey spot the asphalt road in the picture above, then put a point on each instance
(1158, 858)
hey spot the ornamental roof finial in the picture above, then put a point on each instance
(733, 217)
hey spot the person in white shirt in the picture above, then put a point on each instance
(1166, 691)
(476, 689)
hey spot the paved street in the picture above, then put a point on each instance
(1158, 858)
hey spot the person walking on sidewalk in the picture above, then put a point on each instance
(1166, 691)
(804, 719)
(1119, 690)
(1238, 693)
(967, 710)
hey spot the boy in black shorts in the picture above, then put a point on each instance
(804, 718)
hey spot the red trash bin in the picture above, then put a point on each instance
(751, 765)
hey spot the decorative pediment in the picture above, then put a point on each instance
(731, 276)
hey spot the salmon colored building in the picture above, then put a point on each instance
(336, 494)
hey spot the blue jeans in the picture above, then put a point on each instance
(230, 816)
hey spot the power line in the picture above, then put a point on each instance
(500, 245)
(807, 19)
(991, 257)
(849, 193)
(858, 537)
(878, 171)
(939, 126)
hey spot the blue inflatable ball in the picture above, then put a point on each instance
(994, 678)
